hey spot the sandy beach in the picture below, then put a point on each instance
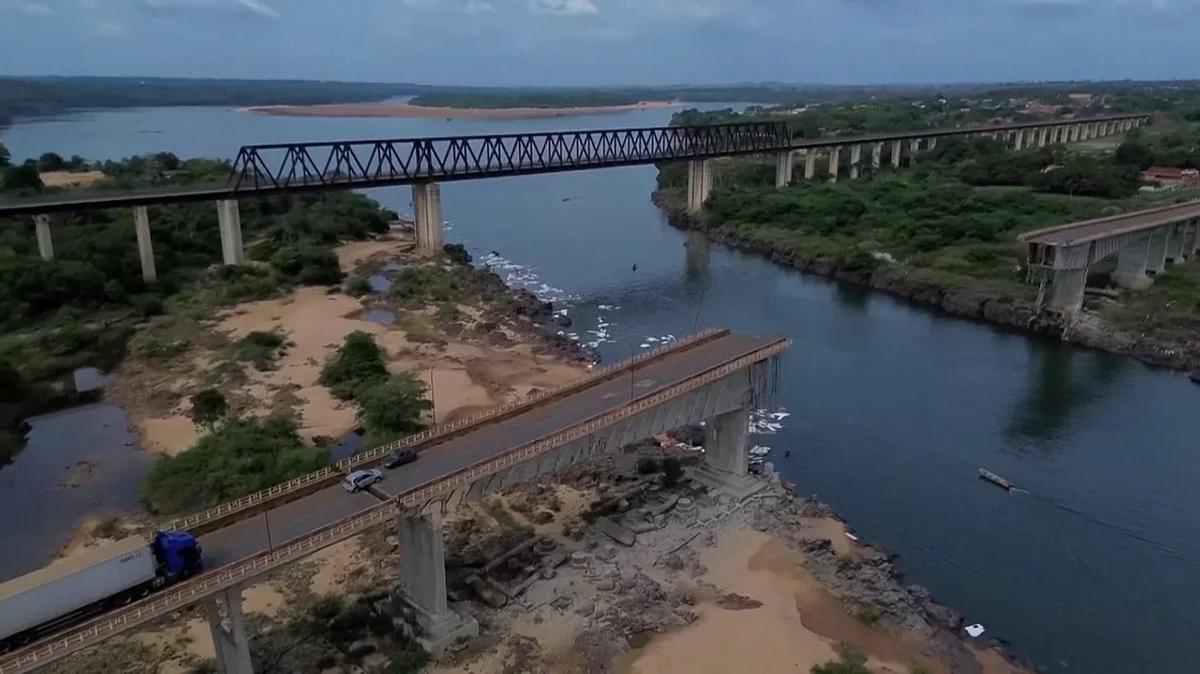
(431, 112)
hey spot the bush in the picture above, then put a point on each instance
(208, 408)
(147, 305)
(393, 405)
(851, 663)
(358, 286)
(239, 458)
(260, 348)
(358, 363)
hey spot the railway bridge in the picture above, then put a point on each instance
(426, 163)
(714, 376)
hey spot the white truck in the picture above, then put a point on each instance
(86, 583)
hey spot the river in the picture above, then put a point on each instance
(1092, 569)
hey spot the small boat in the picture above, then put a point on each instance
(995, 479)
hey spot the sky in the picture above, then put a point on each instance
(605, 42)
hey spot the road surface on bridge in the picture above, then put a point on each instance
(254, 534)
(1115, 225)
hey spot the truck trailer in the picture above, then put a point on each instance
(76, 587)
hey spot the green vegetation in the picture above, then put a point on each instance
(238, 458)
(394, 406)
(357, 365)
(851, 663)
(82, 307)
(388, 405)
(208, 408)
(260, 348)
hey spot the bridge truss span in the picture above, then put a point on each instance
(367, 163)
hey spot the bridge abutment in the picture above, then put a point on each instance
(1066, 289)
(229, 221)
(427, 218)
(1131, 265)
(141, 223)
(700, 179)
(423, 579)
(45, 240)
(231, 644)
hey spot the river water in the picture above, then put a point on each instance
(1093, 568)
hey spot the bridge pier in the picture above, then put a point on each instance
(835, 158)
(700, 179)
(1156, 256)
(897, 150)
(931, 143)
(1131, 265)
(229, 222)
(45, 241)
(810, 163)
(427, 218)
(1018, 140)
(1174, 244)
(141, 223)
(913, 146)
(423, 579)
(726, 461)
(1066, 289)
(231, 644)
(855, 159)
(876, 155)
(783, 169)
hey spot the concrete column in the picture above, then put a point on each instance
(1156, 257)
(725, 437)
(835, 160)
(45, 241)
(1066, 290)
(230, 643)
(229, 221)
(1174, 244)
(1042, 136)
(141, 223)
(1019, 139)
(897, 148)
(931, 144)
(699, 184)
(876, 155)
(427, 218)
(1131, 265)
(1195, 242)
(913, 146)
(783, 169)
(855, 158)
(1187, 239)
(810, 163)
(423, 562)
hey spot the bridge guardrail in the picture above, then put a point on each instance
(194, 590)
(204, 521)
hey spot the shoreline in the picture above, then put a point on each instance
(410, 111)
(1088, 329)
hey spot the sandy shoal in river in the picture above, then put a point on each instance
(423, 111)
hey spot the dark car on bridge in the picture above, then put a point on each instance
(399, 458)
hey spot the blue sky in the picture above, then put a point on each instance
(587, 42)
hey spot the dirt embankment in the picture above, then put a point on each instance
(1087, 329)
(475, 361)
(423, 111)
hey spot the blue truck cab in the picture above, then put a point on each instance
(177, 554)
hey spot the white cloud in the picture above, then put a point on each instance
(256, 7)
(32, 8)
(564, 7)
(260, 8)
(477, 7)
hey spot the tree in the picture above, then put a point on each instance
(5, 156)
(51, 161)
(23, 177)
(394, 405)
(208, 408)
(1134, 154)
(357, 364)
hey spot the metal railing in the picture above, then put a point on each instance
(299, 484)
(192, 591)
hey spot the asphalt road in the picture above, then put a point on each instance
(1091, 230)
(331, 504)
